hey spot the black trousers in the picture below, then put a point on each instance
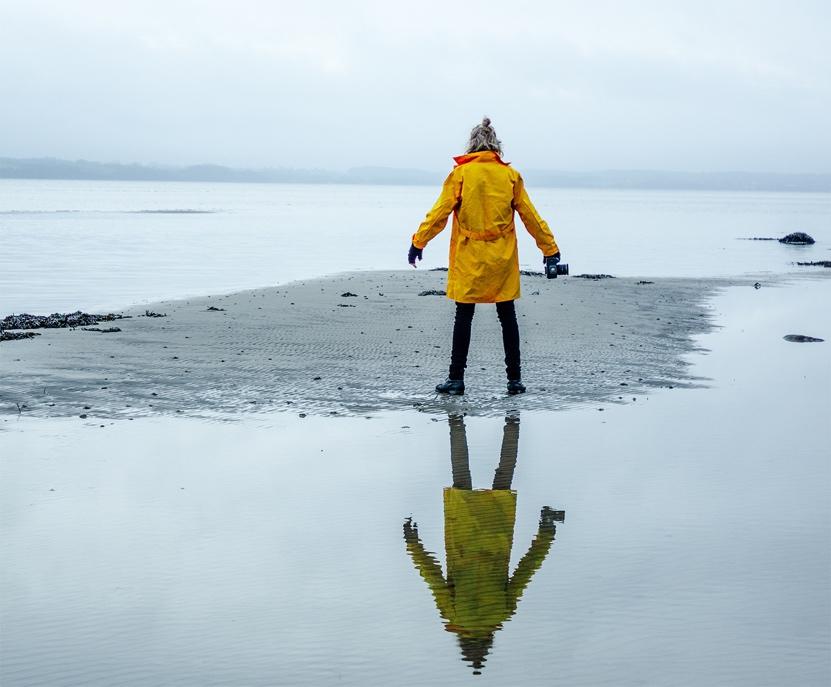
(461, 339)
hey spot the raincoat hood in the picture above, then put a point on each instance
(481, 156)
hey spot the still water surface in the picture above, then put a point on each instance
(678, 540)
(89, 244)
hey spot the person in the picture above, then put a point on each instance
(483, 192)
(479, 594)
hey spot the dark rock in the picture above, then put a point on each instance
(346, 305)
(56, 320)
(349, 294)
(644, 281)
(438, 269)
(213, 308)
(150, 313)
(801, 338)
(594, 277)
(529, 273)
(798, 238)
(108, 330)
(432, 292)
(16, 336)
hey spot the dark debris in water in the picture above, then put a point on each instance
(797, 238)
(529, 273)
(213, 308)
(348, 294)
(594, 277)
(815, 263)
(108, 330)
(801, 338)
(150, 313)
(432, 292)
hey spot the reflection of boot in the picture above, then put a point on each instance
(454, 387)
(515, 386)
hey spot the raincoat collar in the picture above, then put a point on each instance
(481, 156)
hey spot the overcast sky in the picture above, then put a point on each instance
(580, 85)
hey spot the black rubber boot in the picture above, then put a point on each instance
(515, 386)
(454, 387)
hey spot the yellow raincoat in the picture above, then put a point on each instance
(483, 192)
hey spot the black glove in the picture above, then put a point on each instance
(414, 254)
(551, 258)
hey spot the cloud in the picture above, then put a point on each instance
(700, 85)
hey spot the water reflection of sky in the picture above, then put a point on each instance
(270, 551)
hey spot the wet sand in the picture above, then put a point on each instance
(307, 348)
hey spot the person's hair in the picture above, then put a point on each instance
(483, 137)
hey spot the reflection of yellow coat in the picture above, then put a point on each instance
(483, 192)
(479, 593)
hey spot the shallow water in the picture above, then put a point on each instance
(272, 551)
(92, 245)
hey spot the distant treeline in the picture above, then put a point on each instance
(52, 168)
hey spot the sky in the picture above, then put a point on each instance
(582, 85)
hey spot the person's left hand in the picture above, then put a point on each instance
(414, 254)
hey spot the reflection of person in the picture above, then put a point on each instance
(483, 192)
(479, 593)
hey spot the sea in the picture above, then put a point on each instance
(93, 245)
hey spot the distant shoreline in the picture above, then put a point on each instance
(83, 170)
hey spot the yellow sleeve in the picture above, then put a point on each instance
(530, 563)
(536, 225)
(429, 568)
(436, 219)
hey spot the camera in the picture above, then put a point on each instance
(554, 269)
